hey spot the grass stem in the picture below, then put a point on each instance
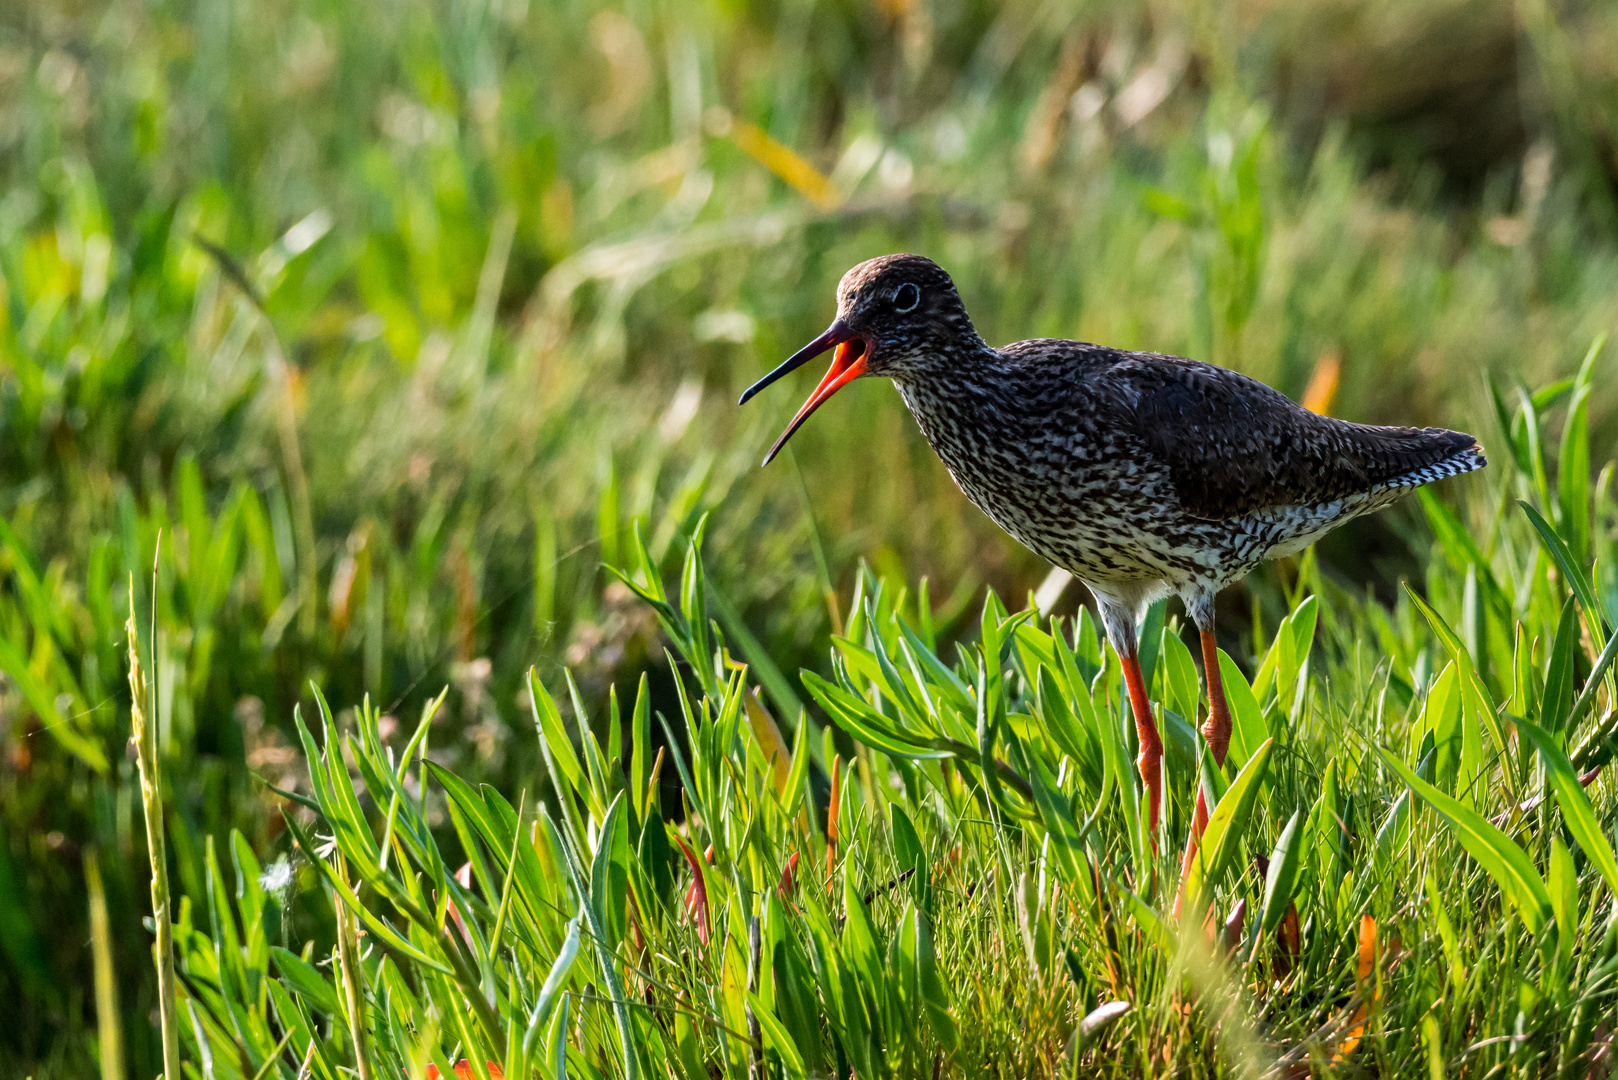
(348, 955)
(143, 732)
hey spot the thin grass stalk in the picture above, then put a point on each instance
(109, 1021)
(143, 732)
(348, 955)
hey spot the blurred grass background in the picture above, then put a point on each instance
(356, 335)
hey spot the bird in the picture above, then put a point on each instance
(1144, 475)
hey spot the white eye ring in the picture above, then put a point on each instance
(915, 297)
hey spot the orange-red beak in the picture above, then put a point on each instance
(848, 364)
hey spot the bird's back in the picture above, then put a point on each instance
(1234, 446)
(1127, 464)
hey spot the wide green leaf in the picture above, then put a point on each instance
(1282, 877)
(777, 1038)
(1180, 674)
(861, 949)
(550, 992)
(552, 732)
(1248, 729)
(1558, 695)
(865, 723)
(1564, 892)
(303, 977)
(1573, 463)
(609, 873)
(1226, 825)
(1475, 700)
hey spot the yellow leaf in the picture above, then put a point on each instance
(769, 738)
(785, 163)
(1322, 388)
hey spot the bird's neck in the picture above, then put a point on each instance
(961, 392)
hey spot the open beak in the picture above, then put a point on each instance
(848, 364)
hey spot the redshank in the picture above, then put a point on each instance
(1141, 474)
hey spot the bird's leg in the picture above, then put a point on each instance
(1216, 729)
(1150, 761)
(1199, 822)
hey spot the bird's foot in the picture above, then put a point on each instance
(1216, 732)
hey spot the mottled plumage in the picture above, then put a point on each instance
(1144, 474)
(1141, 474)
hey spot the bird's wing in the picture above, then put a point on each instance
(1234, 446)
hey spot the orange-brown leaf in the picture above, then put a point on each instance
(696, 897)
(1291, 942)
(769, 739)
(1352, 1036)
(1370, 991)
(785, 886)
(1367, 963)
(1322, 389)
(463, 1071)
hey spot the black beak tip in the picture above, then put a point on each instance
(752, 391)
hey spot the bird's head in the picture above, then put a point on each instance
(896, 316)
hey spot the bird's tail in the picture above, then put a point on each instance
(1467, 459)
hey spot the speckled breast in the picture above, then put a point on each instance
(1070, 491)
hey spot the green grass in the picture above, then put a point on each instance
(976, 893)
(345, 342)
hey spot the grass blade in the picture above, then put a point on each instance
(1558, 696)
(1248, 730)
(1226, 825)
(777, 1038)
(143, 733)
(1572, 573)
(1577, 810)
(1504, 861)
(934, 994)
(1591, 743)
(109, 1020)
(1282, 877)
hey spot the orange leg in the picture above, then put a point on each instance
(1199, 822)
(1215, 729)
(1150, 761)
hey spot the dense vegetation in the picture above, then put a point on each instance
(982, 894)
(346, 342)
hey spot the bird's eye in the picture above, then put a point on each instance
(906, 297)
